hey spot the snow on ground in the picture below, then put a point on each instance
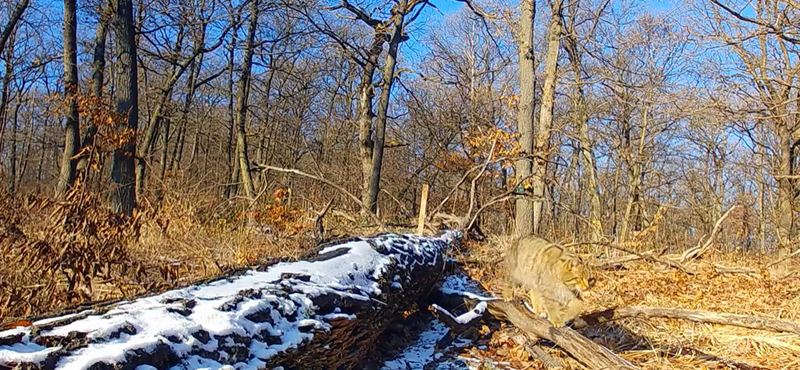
(423, 352)
(190, 320)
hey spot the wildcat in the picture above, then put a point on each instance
(552, 278)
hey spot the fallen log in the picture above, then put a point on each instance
(459, 290)
(591, 354)
(536, 351)
(707, 317)
(323, 313)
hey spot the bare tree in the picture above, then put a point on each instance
(524, 219)
(8, 30)
(72, 143)
(241, 104)
(98, 80)
(123, 168)
(581, 114)
(767, 54)
(541, 142)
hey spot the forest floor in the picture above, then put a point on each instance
(176, 247)
(760, 288)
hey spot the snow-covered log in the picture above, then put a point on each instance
(324, 313)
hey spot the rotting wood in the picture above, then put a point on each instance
(708, 317)
(591, 354)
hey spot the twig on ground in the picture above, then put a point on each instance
(744, 321)
(781, 260)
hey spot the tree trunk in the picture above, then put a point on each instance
(167, 122)
(241, 111)
(72, 131)
(28, 143)
(5, 94)
(157, 119)
(364, 117)
(544, 129)
(525, 116)
(123, 177)
(383, 104)
(590, 354)
(98, 79)
(581, 116)
(785, 191)
(231, 188)
(194, 71)
(12, 181)
(4, 102)
(11, 26)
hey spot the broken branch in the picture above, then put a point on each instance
(700, 250)
(743, 321)
(591, 354)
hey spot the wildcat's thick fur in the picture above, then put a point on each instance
(551, 277)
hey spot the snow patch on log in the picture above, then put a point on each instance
(243, 321)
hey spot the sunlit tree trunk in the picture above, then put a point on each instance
(69, 158)
(525, 116)
(544, 128)
(241, 110)
(123, 175)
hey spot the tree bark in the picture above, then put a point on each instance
(72, 131)
(525, 116)
(123, 177)
(364, 117)
(241, 111)
(581, 116)
(545, 126)
(395, 40)
(98, 79)
(11, 26)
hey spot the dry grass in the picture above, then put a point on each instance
(56, 254)
(675, 344)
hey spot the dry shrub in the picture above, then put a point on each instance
(197, 237)
(54, 253)
(58, 253)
